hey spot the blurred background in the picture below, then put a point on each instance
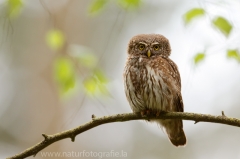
(62, 61)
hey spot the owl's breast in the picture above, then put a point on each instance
(145, 87)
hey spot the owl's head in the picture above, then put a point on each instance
(149, 45)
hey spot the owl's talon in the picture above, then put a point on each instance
(148, 111)
(158, 113)
(143, 113)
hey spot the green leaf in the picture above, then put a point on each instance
(97, 6)
(129, 3)
(14, 7)
(223, 25)
(233, 54)
(96, 83)
(100, 76)
(55, 39)
(90, 85)
(102, 81)
(199, 58)
(64, 73)
(192, 14)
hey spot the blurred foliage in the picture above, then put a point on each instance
(126, 4)
(96, 83)
(77, 67)
(55, 39)
(90, 85)
(83, 55)
(233, 54)
(94, 79)
(64, 73)
(14, 8)
(87, 60)
(199, 57)
(218, 22)
(223, 25)
(192, 14)
(97, 6)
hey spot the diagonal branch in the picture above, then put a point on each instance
(72, 133)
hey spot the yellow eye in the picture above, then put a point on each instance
(156, 47)
(141, 46)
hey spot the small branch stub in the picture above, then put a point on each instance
(73, 138)
(35, 155)
(223, 114)
(45, 137)
(196, 122)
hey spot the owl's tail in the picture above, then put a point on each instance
(174, 130)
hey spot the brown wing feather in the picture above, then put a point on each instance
(173, 69)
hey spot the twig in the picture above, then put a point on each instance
(223, 114)
(49, 139)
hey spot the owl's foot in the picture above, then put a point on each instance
(150, 112)
(146, 112)
(157, 113)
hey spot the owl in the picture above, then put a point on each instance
(152, 82)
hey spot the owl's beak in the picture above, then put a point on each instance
(149, 53)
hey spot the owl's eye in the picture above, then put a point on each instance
(156, 47)
(141, 46)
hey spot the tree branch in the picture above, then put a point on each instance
(72, 133)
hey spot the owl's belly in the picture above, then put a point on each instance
(146, 89)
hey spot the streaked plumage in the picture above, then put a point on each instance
(152, 81)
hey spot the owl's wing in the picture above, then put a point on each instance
(179, 102)
(176, 76)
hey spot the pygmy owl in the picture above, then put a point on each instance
(152, 82)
